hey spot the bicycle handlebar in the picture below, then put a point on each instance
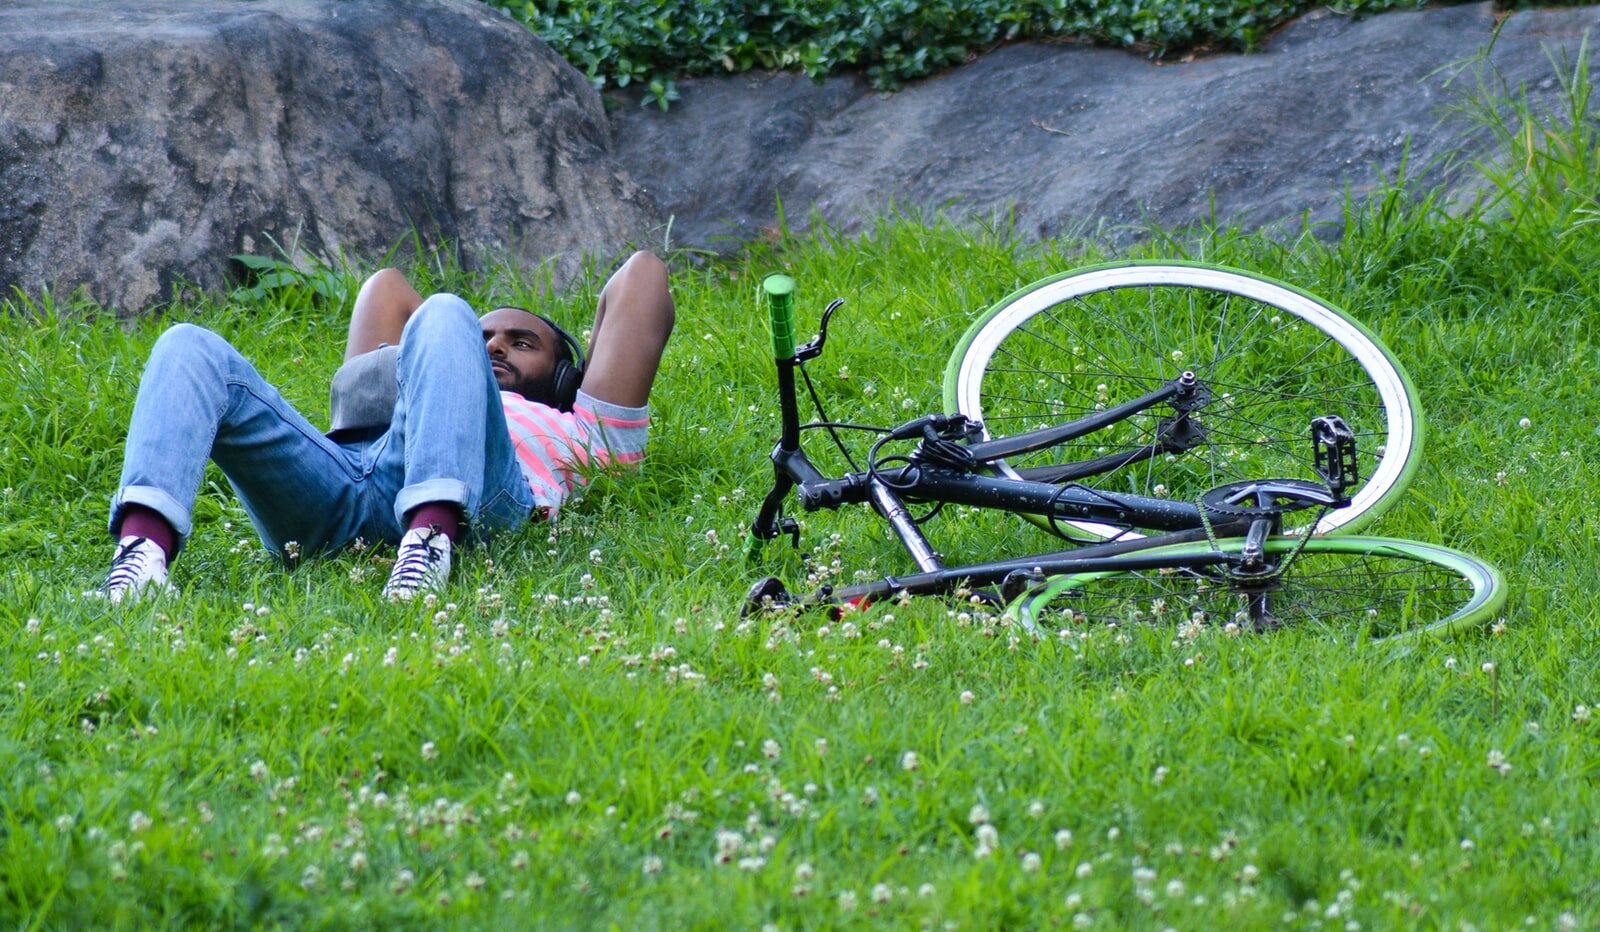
(787, 460)
(780, 306)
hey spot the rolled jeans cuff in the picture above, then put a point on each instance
(433, 490)
(156, 500)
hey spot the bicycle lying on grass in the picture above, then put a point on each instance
(1137, 411)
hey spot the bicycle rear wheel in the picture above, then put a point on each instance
(1271, 356)
(1356, 588)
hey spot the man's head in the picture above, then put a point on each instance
(524, 351)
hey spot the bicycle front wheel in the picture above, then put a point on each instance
(1270, 357)
(1349, 588)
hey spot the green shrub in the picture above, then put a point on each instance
(893, 41)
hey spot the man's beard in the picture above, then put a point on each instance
(542, 390)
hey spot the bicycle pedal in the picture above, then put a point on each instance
(1017, 583)
(1334, 455)
(768, 594)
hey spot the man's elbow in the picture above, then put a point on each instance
(646, 265)
(646, 270)
(387, 278)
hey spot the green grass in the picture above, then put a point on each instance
(587, 730)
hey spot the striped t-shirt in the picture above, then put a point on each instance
(559, 450)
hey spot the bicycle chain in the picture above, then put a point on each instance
(1305, 538)
(1205, 521)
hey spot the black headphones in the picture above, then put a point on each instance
(568, 374)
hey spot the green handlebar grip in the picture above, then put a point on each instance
(780, 303)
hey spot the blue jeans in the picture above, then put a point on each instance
(448, 442)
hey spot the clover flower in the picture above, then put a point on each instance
(728, 844)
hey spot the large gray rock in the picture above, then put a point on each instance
(144, 141)
(1072, 135)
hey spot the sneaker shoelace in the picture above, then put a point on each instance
(415, 568)
(127, 566)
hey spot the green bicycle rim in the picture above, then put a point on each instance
(1488, 585)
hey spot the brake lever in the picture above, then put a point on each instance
(814, 349)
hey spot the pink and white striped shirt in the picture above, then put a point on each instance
(559, 450)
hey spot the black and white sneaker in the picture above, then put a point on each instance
(138, 571)
(422, 565)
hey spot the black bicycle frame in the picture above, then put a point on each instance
(888, 491)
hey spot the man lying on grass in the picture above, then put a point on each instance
(489, 428)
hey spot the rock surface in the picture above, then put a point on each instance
(1074, 135)
(144, 141)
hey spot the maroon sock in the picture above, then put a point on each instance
(446, 516)
(139, 521)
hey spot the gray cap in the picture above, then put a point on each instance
(364, 390)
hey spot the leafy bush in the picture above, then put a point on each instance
(653, 41)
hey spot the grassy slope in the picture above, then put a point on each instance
(277, 747)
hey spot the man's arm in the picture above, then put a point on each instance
(632, 321)
(386, 301)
